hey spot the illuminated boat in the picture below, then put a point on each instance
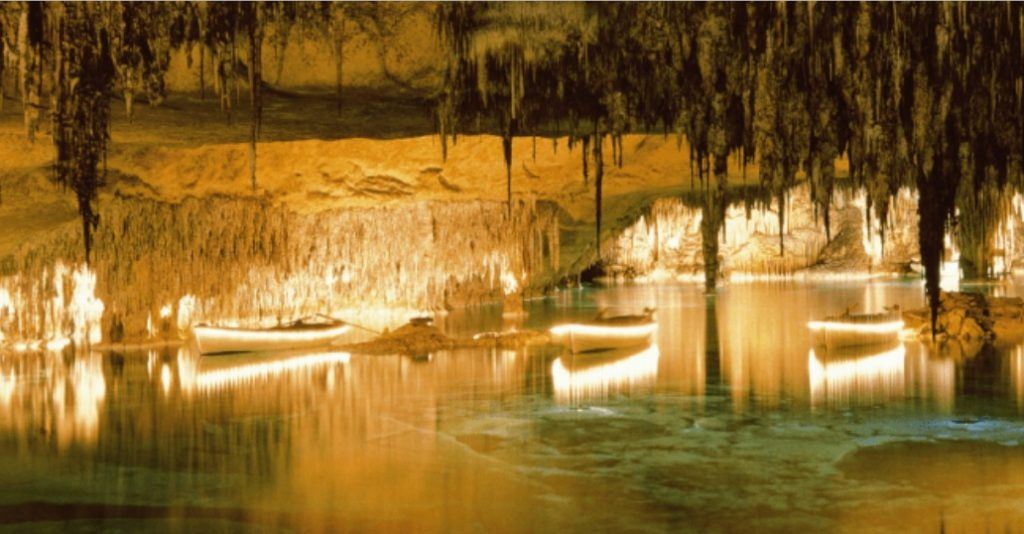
(607, 333)
(301, 334)
(857, 329)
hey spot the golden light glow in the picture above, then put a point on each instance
(582, 379)
(509, 283)
(57, 345)
(166, 379)
(86, 310)
(90, 388)
(8, 383)
(186, 309)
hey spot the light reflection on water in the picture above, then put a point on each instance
(594, 377)
(726, 419)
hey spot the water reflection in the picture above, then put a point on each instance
(207, 374)
(8, 381)
(1016, 358)
(328, 441)
(759, 340)
(56, 395)
(590, 377)
(866, 375)
(931, 377)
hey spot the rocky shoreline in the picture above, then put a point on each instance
(972, 318)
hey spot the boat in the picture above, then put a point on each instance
(607, 332)
(302, 334)
(857, 329)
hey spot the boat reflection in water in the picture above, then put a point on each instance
(208, 374)
(598, 375)
(863, 374)
(910, 373)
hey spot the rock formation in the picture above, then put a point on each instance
(972, 318)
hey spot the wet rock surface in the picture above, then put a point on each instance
(419, 338)
(972, 318)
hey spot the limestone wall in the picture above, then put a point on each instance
(159, 266)
(665, 243)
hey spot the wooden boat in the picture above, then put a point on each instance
(857, 329)
(607, 333)
(302, 334)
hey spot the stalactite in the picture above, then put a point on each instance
(339, 55)
(790, 87)
(782, 223)
(506, 147)
(598, 184)
(585, 153)
(255, 84)
(3, 56)
(83, 77)
(30, 64)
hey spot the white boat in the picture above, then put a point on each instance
(857, 329)
(607, 333)
(302, 334)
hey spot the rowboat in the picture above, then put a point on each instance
(302, 334)
(857, 329)
(606, 333)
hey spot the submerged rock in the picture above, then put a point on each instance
(971, 317)
(420, 338)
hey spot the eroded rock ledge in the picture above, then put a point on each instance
(971, 318)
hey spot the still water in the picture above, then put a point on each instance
(729, 423)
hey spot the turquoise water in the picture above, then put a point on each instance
(729, 423)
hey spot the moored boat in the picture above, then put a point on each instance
(607, 333)
(302, 334)
(857, 329)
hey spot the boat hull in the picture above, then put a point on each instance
(591, 337)
(834, 335)
(216, 340)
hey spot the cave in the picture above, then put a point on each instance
(437, 266)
